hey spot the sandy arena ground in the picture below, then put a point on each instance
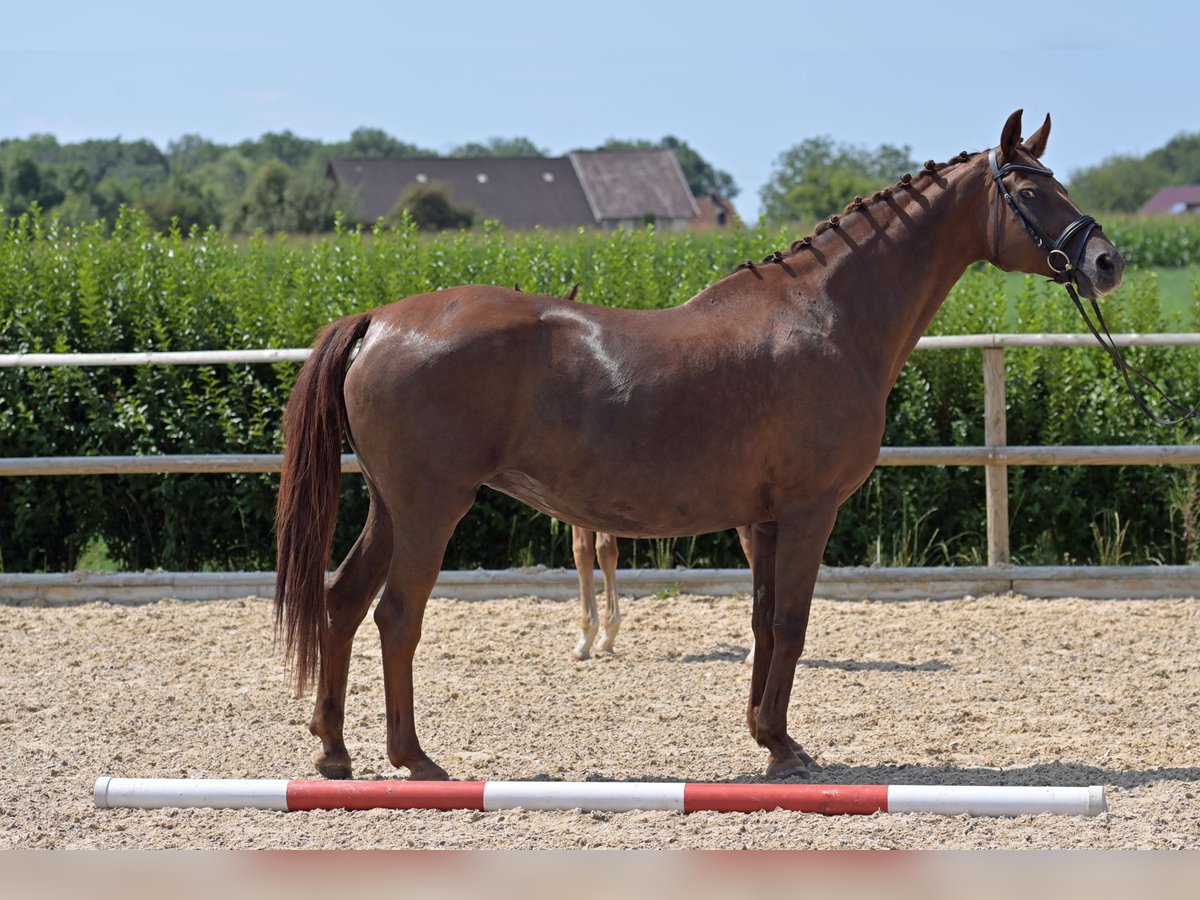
(986, 690)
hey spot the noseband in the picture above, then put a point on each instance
(1066, 270)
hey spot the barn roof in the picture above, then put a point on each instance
(520, 192)
(583, 188)
(1169, 199)
(630, 184)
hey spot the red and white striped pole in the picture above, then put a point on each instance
(828, 799)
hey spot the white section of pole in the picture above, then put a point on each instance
(1018, 800)
(191, 793)
(598, 796)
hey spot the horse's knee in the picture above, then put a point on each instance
(788, 638)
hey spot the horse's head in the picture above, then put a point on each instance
(1035, 226)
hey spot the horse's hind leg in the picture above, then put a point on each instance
(418, 546)
(606, 554)
(348, 596)
(584, 549)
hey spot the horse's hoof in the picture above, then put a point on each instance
(427, 771)
(333, 769)
(788, 767)
(808, 761)
(579, 654)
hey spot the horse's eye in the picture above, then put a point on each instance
(1028, 193)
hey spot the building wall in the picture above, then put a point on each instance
(660, 224)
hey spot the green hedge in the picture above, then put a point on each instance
(76, 290)
(1156, 240)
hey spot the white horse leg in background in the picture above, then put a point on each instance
(588, 545)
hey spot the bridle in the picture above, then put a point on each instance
(1066, 272)
(1057, 257)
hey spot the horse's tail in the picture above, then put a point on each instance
(309, 489)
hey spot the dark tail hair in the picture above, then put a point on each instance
(309, 489)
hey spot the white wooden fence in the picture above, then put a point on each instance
(996, 455)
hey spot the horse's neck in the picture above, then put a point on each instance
(893, 262)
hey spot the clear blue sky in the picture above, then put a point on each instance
(740, 82)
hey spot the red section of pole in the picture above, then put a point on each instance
(829, 799)
(385, 795)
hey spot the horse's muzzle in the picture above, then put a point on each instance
(1102, 270)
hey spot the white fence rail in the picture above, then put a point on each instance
(299, 354)
(996, 455)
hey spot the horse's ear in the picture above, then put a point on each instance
(1010, 137)
(1036, 144)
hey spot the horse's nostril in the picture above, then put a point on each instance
(1105, 263)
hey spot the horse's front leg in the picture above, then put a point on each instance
(799, 545)
(761, 554)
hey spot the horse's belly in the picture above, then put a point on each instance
(611, 509)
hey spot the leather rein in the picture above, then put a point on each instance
(1065, 268)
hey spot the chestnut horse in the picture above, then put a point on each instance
(758, 402)
(587, 545)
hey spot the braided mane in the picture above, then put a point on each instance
(907, 181)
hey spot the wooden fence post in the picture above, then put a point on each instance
(995, 434)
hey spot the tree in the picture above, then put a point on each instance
(282, 146)
(181, 199)
(817, 177)
(226, 179)
(299, 201)
(190, 152)
(1124, 183)
(26, 183)
(314, 201)
(111, 194)
(77, 209)
(1180, 157)
(1118, 184)
(139, 162)
(515, 146)
(430, 207)
(373, 143)
(702, 177)
(265, 202)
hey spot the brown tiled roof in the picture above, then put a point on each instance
(1168, 198)
(520, 192)
(710, 213)
(632, 184)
